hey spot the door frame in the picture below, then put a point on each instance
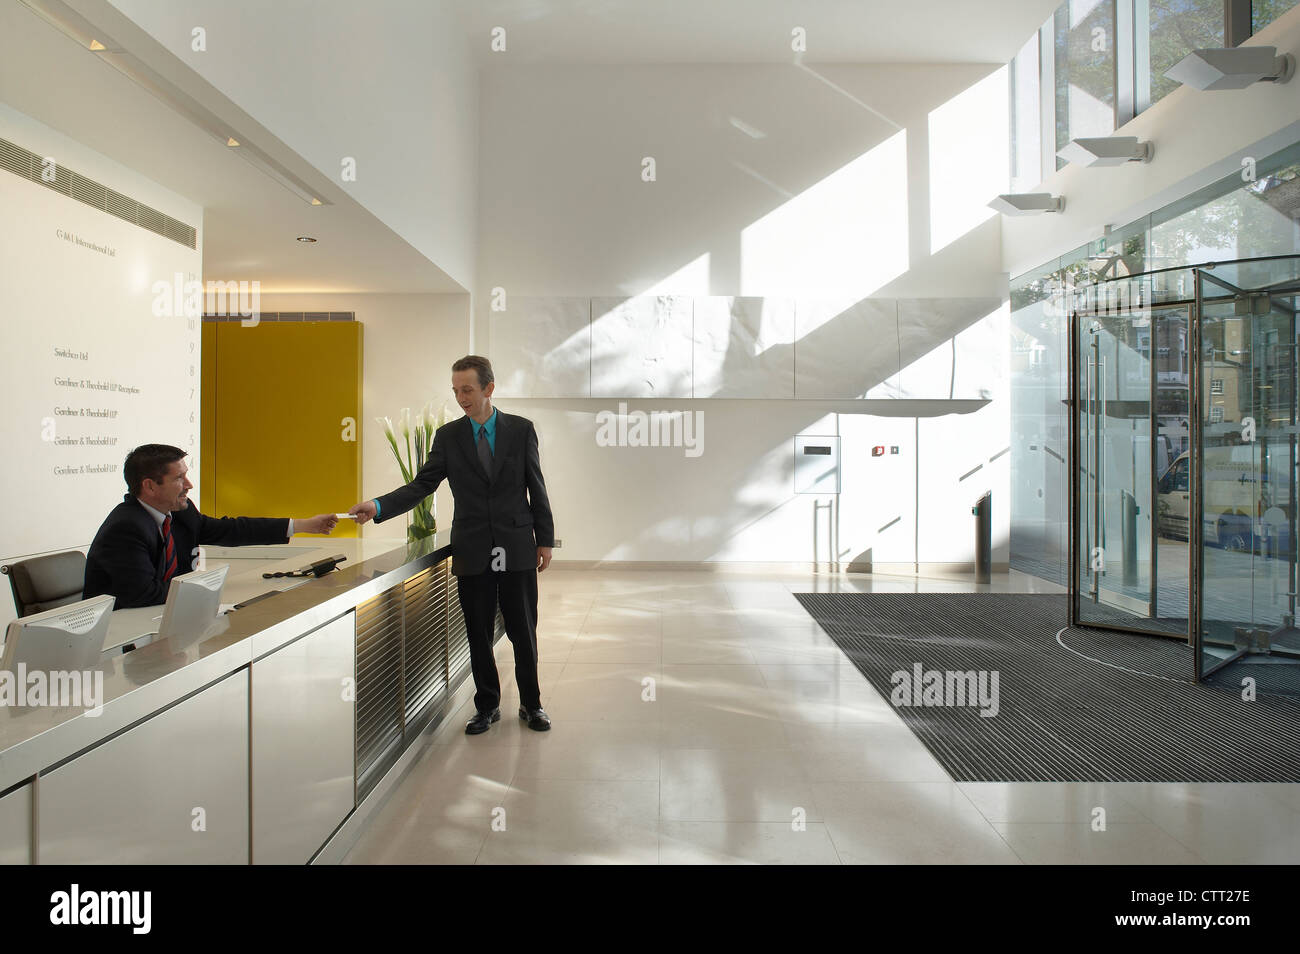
(1075, 318)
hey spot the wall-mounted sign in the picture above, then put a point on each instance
(816, 465)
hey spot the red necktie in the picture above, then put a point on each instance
(169, 550)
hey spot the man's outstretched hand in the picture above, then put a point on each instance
(364, 511)
(321, 523)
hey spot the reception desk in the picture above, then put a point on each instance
(256, 741)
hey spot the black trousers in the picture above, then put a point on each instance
(516, 593)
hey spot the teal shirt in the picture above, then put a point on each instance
(490, 425)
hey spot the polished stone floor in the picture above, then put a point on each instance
(704, 718)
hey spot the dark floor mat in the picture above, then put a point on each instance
(1060, 717)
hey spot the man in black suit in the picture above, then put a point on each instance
(155, 532)
(501, 535)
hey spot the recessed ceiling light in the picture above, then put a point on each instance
(315, 201)
(96, 46)
(232, 141)
(306, 239)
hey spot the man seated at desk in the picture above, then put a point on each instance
(155, 532)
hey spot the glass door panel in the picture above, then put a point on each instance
(1115, 452)
(1172, 468)
(1248, 472)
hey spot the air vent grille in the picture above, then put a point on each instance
(291, 316)
(425, 656)
(82, 622)
(379, 687)
(25, 163)
(411, 654)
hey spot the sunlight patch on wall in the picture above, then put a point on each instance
(843, 237)
(968, 159)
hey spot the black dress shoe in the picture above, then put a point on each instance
(481, 721)
(537, 719)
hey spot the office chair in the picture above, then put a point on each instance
(46, 582)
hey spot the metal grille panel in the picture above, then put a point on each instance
(379, 687)
(425, 662)
(25, 163)
(411, 654)
(457, 644)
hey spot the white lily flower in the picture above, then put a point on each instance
(406, 423)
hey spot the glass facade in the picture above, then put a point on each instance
(1255, 213)
(1096, 64)
(1039, 427)
(1250, 215)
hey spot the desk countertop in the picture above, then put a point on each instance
(141, 682)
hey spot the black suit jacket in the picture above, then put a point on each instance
(126, 556)
(506, 509)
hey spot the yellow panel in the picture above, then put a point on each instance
(207, 418)
(281, 447)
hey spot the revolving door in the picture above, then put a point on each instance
(1185, 414)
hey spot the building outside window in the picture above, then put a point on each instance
(1264, 12)
(1084, 69)
(1176, 28)
(1026, 119)
(1103, 63)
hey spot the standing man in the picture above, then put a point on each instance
(501, 537)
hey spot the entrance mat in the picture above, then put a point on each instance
(1112, 707)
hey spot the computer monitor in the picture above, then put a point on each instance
(67, 638)
(193, 600)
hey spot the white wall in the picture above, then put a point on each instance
(77, 305)
(1199, 137)
(817, 188)
(841, 175)
(409, 343)
(388, 83)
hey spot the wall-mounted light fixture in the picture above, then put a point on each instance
(1027, 203)
(1236, 68)
(1107, 151)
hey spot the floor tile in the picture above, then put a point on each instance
(702, 717)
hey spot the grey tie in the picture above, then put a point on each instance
(484, 452)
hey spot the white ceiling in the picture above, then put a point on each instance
(753, 31)
(251, 222)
